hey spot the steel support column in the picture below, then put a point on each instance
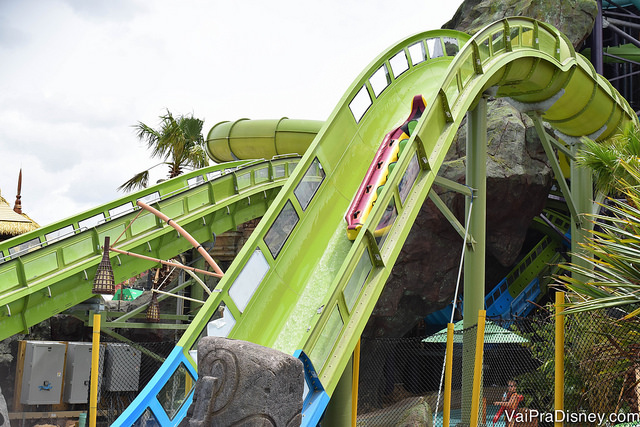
(582, 194)
(474, 262)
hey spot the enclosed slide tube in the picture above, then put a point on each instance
(299, 285)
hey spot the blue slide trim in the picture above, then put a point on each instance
(316, 400)
(147, 400)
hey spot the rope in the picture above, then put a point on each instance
(455, 297)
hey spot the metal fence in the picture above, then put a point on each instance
(125, 369)
(400, 378)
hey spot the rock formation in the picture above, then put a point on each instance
(245, 384)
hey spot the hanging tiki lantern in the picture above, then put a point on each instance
(103, 282)
(153, 311)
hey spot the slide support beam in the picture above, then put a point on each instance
(474, 262)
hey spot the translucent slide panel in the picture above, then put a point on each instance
(417, 53)
(248, 280)
(221, 322)
(175, 392)
(310, 183)
(399, 63)
(388, 218)
(435, 48)
(357, 280)
(327, 339)
(451, 46)
(409, 177)
(380, 80)
(360, 104)
(281, 228)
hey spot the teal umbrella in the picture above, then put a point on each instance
(493, 334)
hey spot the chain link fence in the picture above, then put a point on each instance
(400, 378)
(124, 370)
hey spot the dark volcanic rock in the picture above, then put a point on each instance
(574, 18)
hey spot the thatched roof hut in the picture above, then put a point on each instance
(12, 221)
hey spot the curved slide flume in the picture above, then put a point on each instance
(308, 287)
(51, 269)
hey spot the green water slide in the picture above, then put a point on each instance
(51, 269)
(299, 284)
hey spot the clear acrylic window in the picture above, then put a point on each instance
(380, 80)
(399, 63)
(221, 322)
(451, 46)
(310, 183)
(327, 339)
(386, 222)
(175, 392)
(249, 279)
(120, 210)
(409, 177)
(360, 104)
(417, 53)
(435, 48)
(59, 234)
(281, 229)
(357, 280)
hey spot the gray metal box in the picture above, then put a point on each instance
(42, 372)
(77, 372)
(122, 367)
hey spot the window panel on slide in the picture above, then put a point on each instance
(175, 392)
(399, 63)
(307, 187)
(451, 46)
(435, 47)
(418, 53)
(386, 222)
(360, 104)
(409, 177)
(327, 339)
(380, 80)
(357, 280)
(248, 280)
(281, 229)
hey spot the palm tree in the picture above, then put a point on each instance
(611, 252)
(178, 141)
(607, 160)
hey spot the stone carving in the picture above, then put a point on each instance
(245, 384)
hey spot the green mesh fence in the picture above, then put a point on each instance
(399, 378)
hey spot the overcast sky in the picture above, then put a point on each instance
(76, 75)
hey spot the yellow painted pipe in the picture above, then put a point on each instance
(354, 387)
(477, 370)
(95, 360)
(559, 363)
(448, 371)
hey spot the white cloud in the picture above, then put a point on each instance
(77, 75)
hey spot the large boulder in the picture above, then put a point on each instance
(574, 18)
(244, 384)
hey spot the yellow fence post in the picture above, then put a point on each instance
(559, 355)
(448, 371)
(354, 387)
(477, 370)
(95, 360)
